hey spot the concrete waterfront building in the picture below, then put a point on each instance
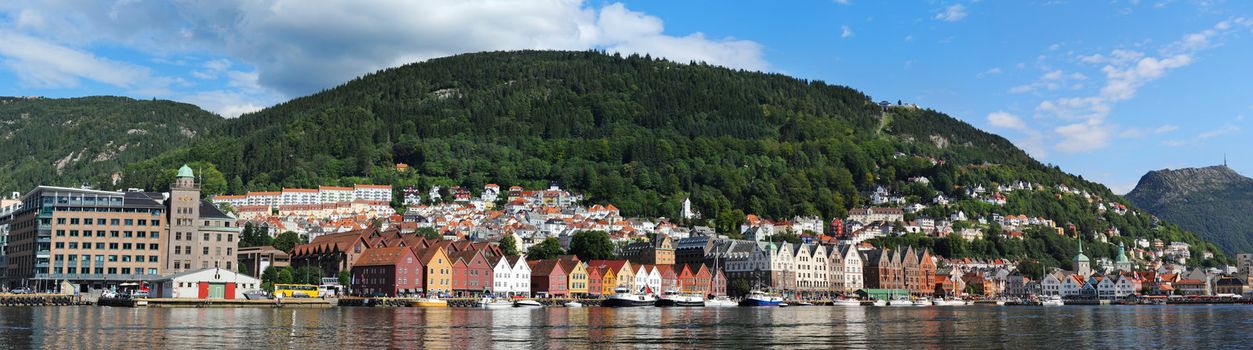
(89, 238)
(201, 236)
(211, 283)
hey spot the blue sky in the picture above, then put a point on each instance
(1105, 89)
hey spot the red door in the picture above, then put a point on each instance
(204, 291)
(230, 291)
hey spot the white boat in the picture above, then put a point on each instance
(804, 303)
(846, 302)
(879, 302)
(493, 303)
(922, 302)
(948, 302)
(574, 304)
(781, 304)
(527, 303)
(674, 298)
(901, 301)
(624, 298)
(1052, 301)
(720, 302)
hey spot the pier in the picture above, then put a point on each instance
(39, 300)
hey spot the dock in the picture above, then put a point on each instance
(39, 300)
(452, 302)
(290, 303)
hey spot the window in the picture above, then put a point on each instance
(114, 234)
(112, 270)
(99, 259)
(126, 270)
(115, 222)
(139, 258)
(219, 237)
(113, 246)
(156, 222)
(88, 221)
(126, 246)
(152, 246)
(99, 245)
(152, 271)
(113, 258)
(130, 222)
(73, 233)
(178, 236)
(143, 222)
(73, 245)
(206, 250)
(178, 250)
(152, 259)
(127, 234)
(99, 233)
(230, 237)
(206, 236)
(60, 221)
(126, 258)
(156, 234)
(60, 233)
(60, 245)
(142, 234)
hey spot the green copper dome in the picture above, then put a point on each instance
(1122, 254)
(1081, 257)
(185, 171)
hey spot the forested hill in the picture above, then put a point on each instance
(643, 134)
(71, 141)
(1214, 202)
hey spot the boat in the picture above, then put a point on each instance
(948, 302)
(493, 303)
(922, 302)
(846, 302)
(901, 301)
(720, 302)
(624, 298)
(673, 298)
(1052, 301)
(781, 304)
(574, 304)
(431, 302)
(759, 298)
(527, 303)
(256, 295)
(879, 302)
(804, 303)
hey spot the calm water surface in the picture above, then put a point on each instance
(1066, 327)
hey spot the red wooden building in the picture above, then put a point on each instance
(389, 271)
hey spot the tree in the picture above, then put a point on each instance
(738, 287)
(430, 234)
(254, 236)
(288, 240)
(784, 237)
(345, 278)
(508, 245)
(592, 245)
(548, 249)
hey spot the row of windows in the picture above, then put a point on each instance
(110, 246)
(205, 251)
(73, 259)
(111, 234)
(108, 222)
(178, 236)
(102, 270)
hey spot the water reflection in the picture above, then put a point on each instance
(1202, 327)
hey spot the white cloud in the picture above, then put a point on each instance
(1002, 119)
(953, 13)
(1082, 137)
(846, 32)
(842, 2)
(1165, 129)
(297, 48)
(991, 71)
(40, 63)
(1052, 80)
(1225, 129)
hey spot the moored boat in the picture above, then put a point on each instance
(574, 304)
(624, 298)
(720, 302)
(948, 302)
(922, 302)
(431, 302)
(527, 303)
(1052, 301)
(673, 298)
(901, 301)
(759, 298)
(879, 302)
(493, 303)
(846, 302)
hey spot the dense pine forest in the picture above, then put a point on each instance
(643, 134)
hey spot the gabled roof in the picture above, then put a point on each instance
(382, 256)
(546, 267)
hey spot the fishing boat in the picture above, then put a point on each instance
(674, 298)
(948, 302)
(574, 304)
(759, 298)
(433, 301)
(527, 303)
(493, 303)
(846, 302)
(1052, 301)
(720, 302)
(624, 298)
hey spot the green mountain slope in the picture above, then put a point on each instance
(644, 134)
(71, 141)
(1214, 202)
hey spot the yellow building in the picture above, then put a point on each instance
(608, 281)
(438, 269)
(576, 272)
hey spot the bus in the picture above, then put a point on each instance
(296, 290)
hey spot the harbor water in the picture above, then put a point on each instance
(1064, 327)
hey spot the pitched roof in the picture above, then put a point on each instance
(545, 267)
(382, 256)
